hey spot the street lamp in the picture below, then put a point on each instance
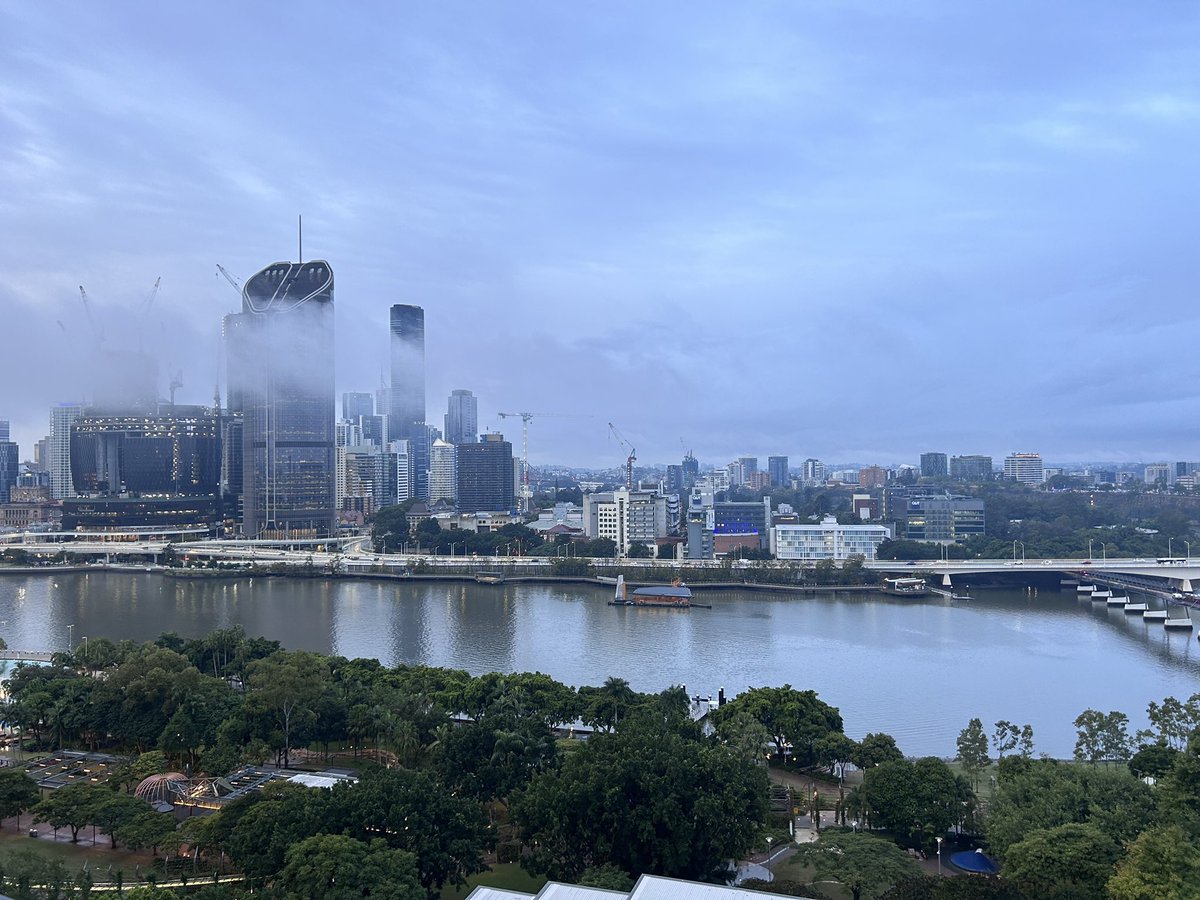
(70, 637)
(1189, 546)
(1169, 545)
(939, 843)
(1089, 548)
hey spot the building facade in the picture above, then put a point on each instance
(443, 472)
(406, 396)
(462, 418)
(1025, 468)
(62, 417)
(777, 468)
(280, 357)
(626, 517)
(934, 465)
(971, 468)
(485, 475)
(828, 540)
(355, 405)
(944, 519)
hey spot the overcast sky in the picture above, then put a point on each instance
(856, 231)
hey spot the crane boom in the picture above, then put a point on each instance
(87, 307)
(525, 417)
(233, 282)
(153, 294)
(629, 460)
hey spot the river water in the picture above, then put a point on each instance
(918, 670)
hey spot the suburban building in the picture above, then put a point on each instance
(828, 540)
(1025, 468)
(971, 468)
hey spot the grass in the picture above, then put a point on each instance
(98, 857)
(791, 870)
(508, 876)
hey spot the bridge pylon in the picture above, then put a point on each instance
(946, 580)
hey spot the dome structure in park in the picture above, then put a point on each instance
(161, 788)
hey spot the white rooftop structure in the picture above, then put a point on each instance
(648, 887)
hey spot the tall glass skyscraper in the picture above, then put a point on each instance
(462, 418)
(406, 398)
(280, 358)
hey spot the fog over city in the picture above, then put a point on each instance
(852, 231)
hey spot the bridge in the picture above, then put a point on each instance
(1179, 575)
(26, 655)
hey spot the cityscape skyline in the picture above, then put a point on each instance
(748, 230)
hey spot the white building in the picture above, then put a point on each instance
(62, 417)
(626, 517)
(828, 540)
(1024, 467)
(1156, 472)
(443, 471)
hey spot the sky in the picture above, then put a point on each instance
(856, 231)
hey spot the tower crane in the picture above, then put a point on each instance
(629, 460)
(87, 308)
(526, 494)
(153, 295)
(176, 383)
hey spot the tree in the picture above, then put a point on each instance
(973, 750)
(796, 720)
(608, 704)
(875, 749)
(288, 683)
(607, 877)
(17, 793)
(969, 887)
(390, 528)
(1162, 864)
(1006, 737)
(645, 799)
(920, 800)
(1102, 736)
(638, 550)
(1062, 863)
(336, 867)
(446, 834)
(865, 864)
(1153, 760)
(112, 813)
(1175, 721)
(1179, 790)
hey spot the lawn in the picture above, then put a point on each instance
(98, 858)
(509, 876)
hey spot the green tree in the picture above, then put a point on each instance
(335, 867)
(1175, 721)
(866, 865)
(73, 806)
(607, 877)
(390, 528)
(1006, 737)
(148, 830)
(1154, 760)
(1179, 790)
(1063, 863)
(875, 749)
(973, 750)
(1102, 736)
(796, 720)
(971, 887)
(638, 550)
(17, 793)
(288, 684)
(920, 800)
(110, 814)
(645, 799)
(1162, 864)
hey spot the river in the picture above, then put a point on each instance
(918, 670)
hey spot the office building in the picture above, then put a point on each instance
(355, 405)
(1025, 468)
(626, 517)
(280, 358)
(741, 524)
(5, 434)
(485, 475)
(777, 468)
(1159, 473)
(462, 418)
(872, 477)
(175, 453)
(971, 468)
(406, 396)
(691, 470)
(443, 471)
(749, 466)
(944, 518)
(934, 465)
(10, 468)
(828, 540)
(700, 522)
(62, 417)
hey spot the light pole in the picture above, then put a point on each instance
(71, 637)
(1169, 540)
(939, 843)
(1189, 546)
(1089, 548)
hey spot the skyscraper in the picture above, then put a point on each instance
(462, 418)
(406, 396)
(934, 465)
(443, 471)
(777, 466)
(62, 417)
(280, 357)
(1024, 467)
(355, 405)
(10, 463)
(485, 475)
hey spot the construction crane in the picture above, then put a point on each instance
(233, 282)
(526, 494)
(176, 383)
(153, 295)
(87, 307)
(629, 460)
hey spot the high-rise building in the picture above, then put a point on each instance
(462, 418)
(934, 465)
(1024, 467)
(485, 475)
(280, 360)
(443, 471)
(828, 540)
(10, 468)
(971, 468)
(749, 466)
(356, 405)
(406, 396)
(691, 470)
(813, 471)
(944, 518)
(626, 517)
(872, 477)
(5, 435)
(777, 468)
(62, 417)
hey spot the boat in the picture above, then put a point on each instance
(1084, 588)
(905, 587)
(676, 595)
(1154, 615)
(1178, 623)
(490, 577)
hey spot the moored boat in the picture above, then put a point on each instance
(673, 596)
(905, 587)
(490, 578)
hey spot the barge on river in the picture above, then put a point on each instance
(676, 595)
(906, 587)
